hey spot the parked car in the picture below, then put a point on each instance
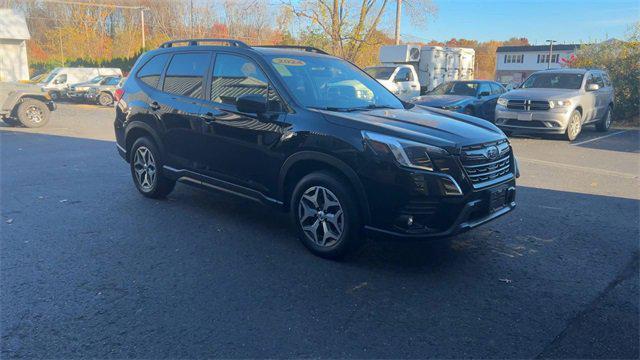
(476, 98)
(59, 79)
(103, 93)
(559, 101)
(311, 134)
(78, 90)
(24, 104)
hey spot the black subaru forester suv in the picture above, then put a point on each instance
(312, 134)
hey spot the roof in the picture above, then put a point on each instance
(13, 25)
(567, 70)
(525, 48)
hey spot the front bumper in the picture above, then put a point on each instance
(553, 121)
(413, 204)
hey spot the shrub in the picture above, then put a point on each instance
(621, 60)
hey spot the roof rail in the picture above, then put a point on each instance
(299, 47)
(196, 42)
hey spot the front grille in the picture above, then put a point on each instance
(528, 105)
(485, 162)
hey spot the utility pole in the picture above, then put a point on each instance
(550, 52)
(144, 43)
(398, 16)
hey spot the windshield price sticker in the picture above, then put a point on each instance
(288, 62)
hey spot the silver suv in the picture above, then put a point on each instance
(559, 101)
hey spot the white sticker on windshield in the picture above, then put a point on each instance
(288, 62)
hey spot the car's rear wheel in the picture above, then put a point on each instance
(33, 113)
(105, 99)
(605, 123)
(574, 127)
(146, 169)
(325, 215)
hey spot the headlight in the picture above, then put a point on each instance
(405, 152)
(503, 101)
(559, 103)
(452, 107)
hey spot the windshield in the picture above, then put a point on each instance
(456, 88)
(331, 83)
(380, 73)
(51, 76)
(553, 81)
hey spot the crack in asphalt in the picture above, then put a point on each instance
(629, 270)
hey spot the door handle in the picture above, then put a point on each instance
(154, 106)
(414, 86)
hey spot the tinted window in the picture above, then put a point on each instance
(185, 74)
(234, 76)
(61, 79)
(496, 89)
(112, 81)
(548, 80)
(456, 88)
(484, 88)
(150, 72)
(598, 80)
(404, 74)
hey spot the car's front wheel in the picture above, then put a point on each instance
(146, 170)
(326, 215)
(575, 126)
(33, 113)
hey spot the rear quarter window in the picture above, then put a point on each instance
(151, 71)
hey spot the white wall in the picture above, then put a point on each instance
(530, 61)
(13, 60)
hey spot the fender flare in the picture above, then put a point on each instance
(139, 124)
(331, 162)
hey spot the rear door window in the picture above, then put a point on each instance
(151, 71)
(185, 74)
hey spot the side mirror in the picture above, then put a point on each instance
(484, 93)
(593, 87)
(252, 104)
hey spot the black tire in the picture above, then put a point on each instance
(574, 127)
(348, 225)
(156, 186)
(105, 99)
(55, 95)
(11, 121)
(605, 123)
(33, 113)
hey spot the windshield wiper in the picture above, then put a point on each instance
(331, 108)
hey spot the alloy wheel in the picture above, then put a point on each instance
(144, 166)
(321, 217)
(104, 99)
(574, 126)
(607, 121)
(34, 114)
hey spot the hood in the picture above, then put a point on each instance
(440, 128)
(541, 94)
(440, 100)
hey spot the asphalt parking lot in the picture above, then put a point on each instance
(91, 269)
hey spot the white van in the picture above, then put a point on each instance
(59, 79)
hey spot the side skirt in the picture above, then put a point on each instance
(210, 183)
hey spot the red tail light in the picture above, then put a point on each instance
(118, 94)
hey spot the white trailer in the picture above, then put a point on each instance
(429, 66)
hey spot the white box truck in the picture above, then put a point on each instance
(59, 79)
(412, 70)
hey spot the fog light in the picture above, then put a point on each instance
(450, 186)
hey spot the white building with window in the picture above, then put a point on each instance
(13, 46)
(516, 63)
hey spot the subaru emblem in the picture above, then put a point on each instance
(491, 153)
